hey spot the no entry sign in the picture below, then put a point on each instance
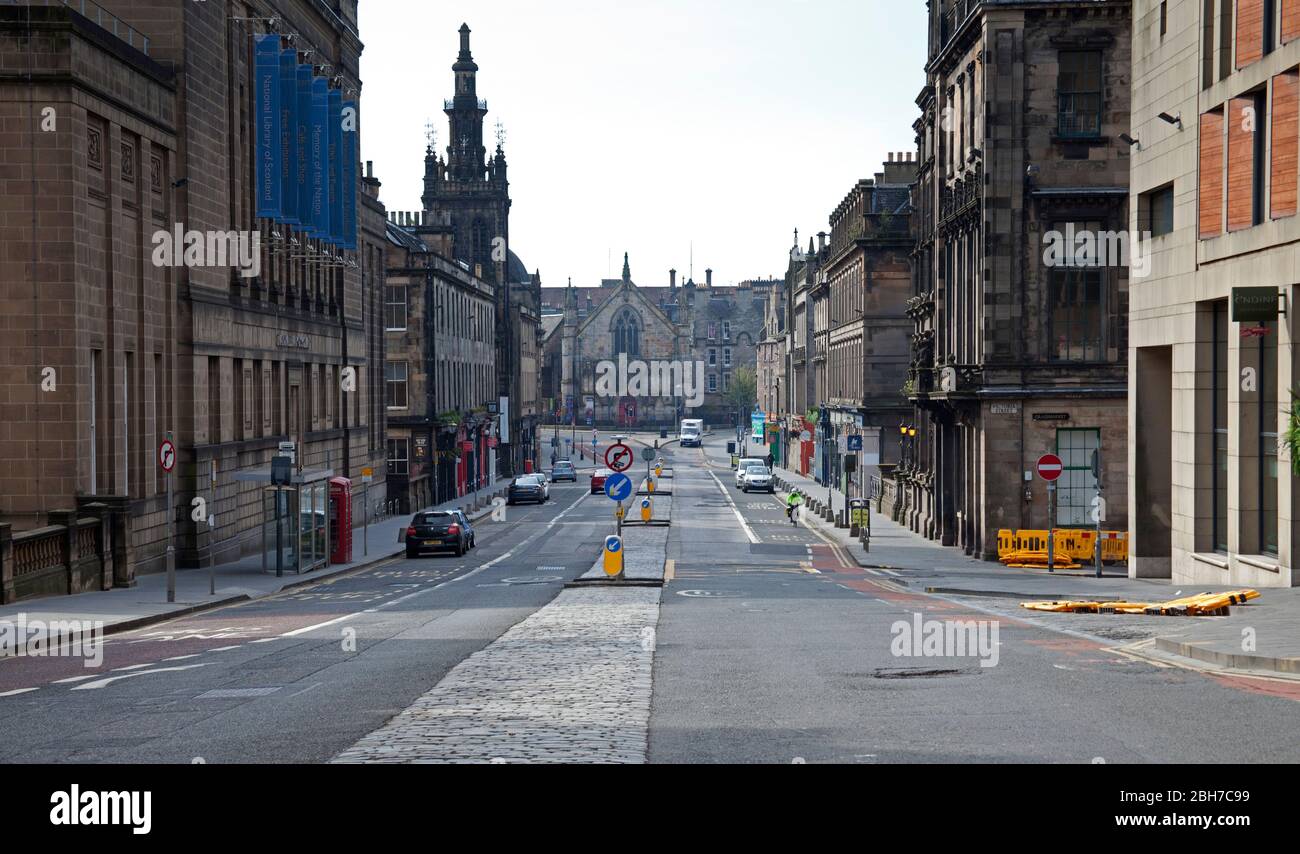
(1050, 467)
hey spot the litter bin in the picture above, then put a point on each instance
(663, 433)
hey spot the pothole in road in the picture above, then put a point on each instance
(918, 673)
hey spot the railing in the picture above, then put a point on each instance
(98, 16)
(70, 555)
(450, 103)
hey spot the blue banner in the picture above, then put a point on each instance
(318, 142)
(266, 101)
(289, 137)
(349, 162)
(336, 166)
(304, 149)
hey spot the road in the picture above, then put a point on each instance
(771, 646)
(781, 651)
(301, 676)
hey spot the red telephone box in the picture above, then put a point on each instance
(341, 520)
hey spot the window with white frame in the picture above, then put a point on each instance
(395, 308)
(395, 377)
(399, 457)
(713, 383)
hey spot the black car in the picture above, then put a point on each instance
(527, 488)
(436, 531)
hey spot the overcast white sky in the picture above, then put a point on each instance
(644, 125)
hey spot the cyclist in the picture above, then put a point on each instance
(791, 506)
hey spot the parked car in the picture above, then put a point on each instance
(598, 478)
(745, 463)
(465, 523)
(564, 470)
(526, 488)
(757, 478)
(436, 530)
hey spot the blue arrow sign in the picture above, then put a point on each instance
(613, 544)
(855, 443)
(618, 487)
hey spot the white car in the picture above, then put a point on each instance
(745, 463)
(757, 478)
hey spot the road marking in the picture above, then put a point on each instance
(224, 648)
(132, 667)
(103, 683)
(306, 629)
(749, 532)
(181, 657)
(811, 571)
(19, 691)
(74, 679)
(670, 570)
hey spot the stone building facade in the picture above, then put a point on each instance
(713, 330)
(1215, 494)
(440, 366)
(474, 190)
(154, 131)
(1018, 351)
(860, 322)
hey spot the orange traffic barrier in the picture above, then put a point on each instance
(1199, 605)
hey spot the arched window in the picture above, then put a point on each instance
(627, 333)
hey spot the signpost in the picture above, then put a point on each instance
(618, 488)
(167, 462)
(614, 556)
(367, 475)
(1050, 468)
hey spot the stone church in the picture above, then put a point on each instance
(628, 356)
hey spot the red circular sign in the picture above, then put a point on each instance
(167, 456)
(618, 457)
(1050, 467)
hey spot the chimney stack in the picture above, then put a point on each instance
(708, 278)
(821, 241)
(672, 279)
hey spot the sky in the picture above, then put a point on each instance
(645, 127)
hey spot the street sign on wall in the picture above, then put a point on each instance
(1255, 305)
(1050, 467)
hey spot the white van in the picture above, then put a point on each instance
(691, 433)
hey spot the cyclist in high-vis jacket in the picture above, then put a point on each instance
(792, 506)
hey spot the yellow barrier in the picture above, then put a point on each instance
(1016, 548)
(1200, 605)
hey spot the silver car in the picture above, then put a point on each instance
(757, 478)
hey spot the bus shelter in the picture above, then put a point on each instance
(295, 521)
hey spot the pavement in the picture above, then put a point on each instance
(1260, 637)
(128, 608)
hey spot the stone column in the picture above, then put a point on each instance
(6, 563)
(104, 541)
(68, 519)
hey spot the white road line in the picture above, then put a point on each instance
(422, 591)
(74, 679)
(19, 691)
(132, 667)
(103, 683)
(224, 648)
(270, 640)
(749, 532)
(182, 657)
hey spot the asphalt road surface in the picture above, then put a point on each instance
(774, 647)
(301, 676)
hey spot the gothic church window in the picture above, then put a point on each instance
(627, 333)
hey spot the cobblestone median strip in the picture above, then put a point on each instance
(571, 683)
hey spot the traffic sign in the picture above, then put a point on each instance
(855, 443)
(618, 457)
(1050, 467)
(805, 436)
(167, 456)
(613, 556)
(618, 487)
(367, 475)
(648, 454)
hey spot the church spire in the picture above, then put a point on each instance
(627, 269)
(466, 154)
